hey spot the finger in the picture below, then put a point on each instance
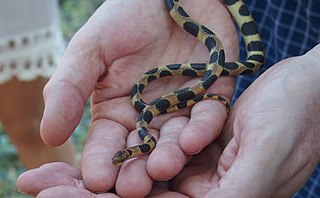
(133, 179)
(105, 138)
(168, 159)
(55, 174)
(71, 192)
(247, 166)
(206, 122)
(62, 168)
(241, 171)
(68, 90)
(199, 176)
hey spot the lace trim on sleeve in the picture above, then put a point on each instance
(31, 55)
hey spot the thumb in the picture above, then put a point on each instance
(245, 172)
(67, 91)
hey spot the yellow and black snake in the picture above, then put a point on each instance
(208, 72)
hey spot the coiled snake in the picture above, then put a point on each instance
(208, 71)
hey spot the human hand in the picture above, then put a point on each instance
(62, 180)
(121, 41)
(269, 146)
(268, 149)
(271, 140)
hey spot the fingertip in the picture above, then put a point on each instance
(20, 182)
(50, 136)
(206, 122)
(104, 139)
(25, 182)
(133, 179)
(189, 145)
(168, 158)
(195, 136)
(64, 106)
(165, 162)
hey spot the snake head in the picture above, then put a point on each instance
(120, 157)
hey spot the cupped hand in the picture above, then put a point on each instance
(122, 40)
(270, 144)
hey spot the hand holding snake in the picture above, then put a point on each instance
(210, 71)
(107, 70)
(63, 178)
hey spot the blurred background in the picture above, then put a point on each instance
(73, 14)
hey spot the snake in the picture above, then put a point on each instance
(208, 72)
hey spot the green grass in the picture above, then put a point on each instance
(10, 167)
(74, 14)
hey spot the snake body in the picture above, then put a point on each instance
(209, 72)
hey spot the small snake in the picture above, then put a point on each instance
(209, 72)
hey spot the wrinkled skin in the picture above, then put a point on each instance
(268, 148)
(122, 40)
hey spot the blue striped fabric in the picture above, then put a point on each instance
(288, 28)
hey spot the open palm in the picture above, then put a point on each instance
(122, 40)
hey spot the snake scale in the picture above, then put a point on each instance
(209, 72)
